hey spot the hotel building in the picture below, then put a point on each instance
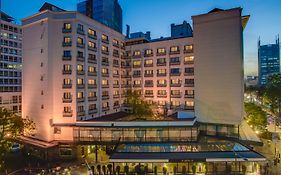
(75, 91)
(10, 63)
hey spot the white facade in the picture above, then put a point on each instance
(218, 49)
(57, 79)
(10, 66)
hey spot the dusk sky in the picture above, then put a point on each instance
(157, 15)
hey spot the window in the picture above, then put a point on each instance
(80, 81)
(136, 63)
(148, 92)
(67, 109)
(104, 48)
(189, 70)
(189, 81)
(174, 49)
(67, 95)
(67, 81)
(115, 72)
(148, 52)
(104, 71)
(189, 103)
(189, 92)
(80, 54)
(91, 44)
(175, 92)
(80, 28)
(67, 67)
(105, 104)
(67, 26)
(80, 40)
(161, 71)
(148, 63)
(137, 73)
(175, 60)
(161, 82)
(92, 106)
(104, 60)
(92, 94)
(67, 40)
(137, 82)
(175, 103)
(161, 50)
(162, 92)
(91, 81)
(80, 95)
(115, 82)
(175, 70)
(104, 37)
(104, 82)
(161, 60)
(115, 42)
(188, 58)
(80, 108)
(80, 67)
(115, 62)
(175, 81)
(188, 48)
(148, 72)
(116, 92)
(92, 69)
(137, 53)
(91, 32)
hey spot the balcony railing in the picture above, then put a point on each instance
(66, 58)
(116, 106)
(174, 52)
(148, 65)
(92, 73)
(189, 107)
(105, 97)
(81, 113)
(66, 44)
(105, 108)
(148, 85)
(115, 65)
(105, 52)
(92, 36)
(67, 86)
(105, 63)
(175, 95)
(162, 95)
(136, 56)
(115, 54)
(137, 85)
(175, 63)
(189, 73)
(125, 76)
(176, 85)
(161, 53)
(105, 74)
(188, 51)
(189, 85)
(175, 74)
(116, 96)
(148, 95)
(136, 75)
(105, 41)
(148, 55)
(92, 60)
(116, 75)
(162, 64)
(67, 100)
(80, 58)
(162, 85)
(188, 95)
(80, 86)
(80, 100)
(92, 48)
(64, 30)
(80, 72)
(92, 98)
(116, 86)
(67, 113)
(189, 62)
(92, 111)
(81, 32)
(161, 74)
(148, 75)
(92, 86)
(115, 44)
(80, 45)
(125, 85)
(105, 86)
(66, 72)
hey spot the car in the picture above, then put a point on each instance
(15, 147)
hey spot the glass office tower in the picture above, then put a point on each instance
(108, 12)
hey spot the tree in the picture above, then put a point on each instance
(273, 94)
(12, 126)
(255, 116)
(139, 107)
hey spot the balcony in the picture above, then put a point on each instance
(92, 111)
(115, 65)
(105, 108)
(105, 52)
(81, 32)
(189, 62)
(136, 75)
(92, 86)
(115, 45)
(148, 55)
(105, 63)
(92, 60)
(189, 108)
(176, 85)
(105, 41)
(125, 76)
(94, 98)
(92, 73)
(92, 36)
(136, 66)
(66, 58)
(137, 85)
(116, 106)
(148, 75)
(125, 85)
(148, 65)
(94, 49)
(105, 86)
(175, 63)
(174, 52)
(105, 74)
(125, 66)
(148, 85)
(105, 97)
(175, 95)
(116, 96)
(67, 113)
(189, 85)
(189, 73)
(161, 54)
(80, 45)
(162, 95)
(188, 51)
(80, 86)
(66, 72)
(161, 74)
(148, 95)
(80, 72)
(67, 86)
(66, 44)
(80, 58)
(67, 100)
(80, 100)
(116, 86)
(116, 75)
(188, 95)
(64, 30)
(162, 64)
(81, 113)
(175, 74)
(162, 85)
(116, 54)
(136, 56)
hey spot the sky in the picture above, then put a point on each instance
(157, 15)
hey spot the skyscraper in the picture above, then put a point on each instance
(10, 63)
(269, 60)
(108, 12)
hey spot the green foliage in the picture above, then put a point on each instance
(273, 94)
(255, 116)
(139, 107)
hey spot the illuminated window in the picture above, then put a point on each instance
(161, 71)
(189, 103)
(188, 58)
(137, 82)
(91, 44)
(80, 40)
(174, 48)
(115, 42)
(161, 50)
(80, 95)
(92, 69)
(148, 72)
(67, 81)
(104, 48)
(116, 82)
(104, 82)
(136, 63)
(92, 32)
(148, 62)
(105, 104)
(175, 92)
(104, 71)
(67, 109)
(92, 82)
(116, 92)
(148, 51)
(161, 82)
(189, 92)
(162, 92)
(115, 72)
(80, 67)
(67, 26)
(137, 53)
(67, 67)
(67, 39)
(104, 37)
(175, 81)
(149, 92)
(175, 103)
(92, 94)
(80, 81)
(162, 103)
(67, 95)
(188, 48)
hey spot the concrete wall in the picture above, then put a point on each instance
(218, 52)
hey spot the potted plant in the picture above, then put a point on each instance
(164, 171)
(126, 169)
(118, 168)
(183, 170)
(109, 167)
(99, 169)
(155, 170)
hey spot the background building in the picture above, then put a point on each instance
(108, 12)
(269, 60)
(10, 63)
